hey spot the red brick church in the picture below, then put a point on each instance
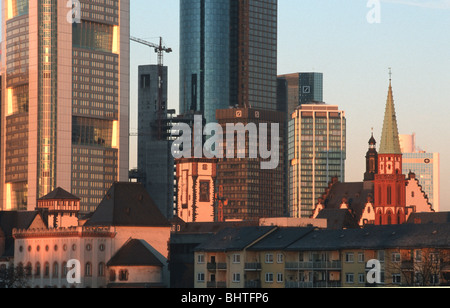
(381, 198)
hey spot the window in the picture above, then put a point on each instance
(269, 277)
(101, 269)
(395, 257)
(123, 275)
(88, 269)
(361, 278)
(200, 277)
(236, 258)
(201, 259)
(269, 258)
(236, 277)
(55, 269)
(349, 278)
(361, 257)
(280, 277)
(46, 269)
(349, 257)
(396, 278)
(280, 258)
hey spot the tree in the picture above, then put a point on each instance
(12, 277)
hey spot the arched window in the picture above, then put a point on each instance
(37, 272)
(29, 270)
(389, 218)
(101, 269)
(64, 269)
(88, 269)
(55, 269)
(46, 269)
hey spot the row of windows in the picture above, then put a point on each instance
(88, 247)
(55, 270)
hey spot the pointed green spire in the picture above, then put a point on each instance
(390, 141)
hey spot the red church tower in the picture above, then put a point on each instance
(390, 183)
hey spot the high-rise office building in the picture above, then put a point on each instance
(317, 154)
(251, 192)
(228, 55)
(425, 166)
(302, 88)
(65, 111)
(155, 161)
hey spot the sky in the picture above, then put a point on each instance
(353, 43)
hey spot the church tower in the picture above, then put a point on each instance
(371, 161)
(390, 183)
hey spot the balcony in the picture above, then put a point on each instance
(216, 284)
(212, 267)
(253, 284)
(317, 265)
(252, 267)
(312, 285)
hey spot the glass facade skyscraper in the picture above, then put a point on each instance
(228, 55)
(302, 88)
(316, 153)
(426, 167)
(65, 100)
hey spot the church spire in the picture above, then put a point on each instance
(390, 141)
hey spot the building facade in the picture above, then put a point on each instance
(317, 153)
(228, 55)
(252, 192)
(303, 88)
(425, 166)
(195, 178)
(66, 100)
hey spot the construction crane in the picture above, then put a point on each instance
(160, 50)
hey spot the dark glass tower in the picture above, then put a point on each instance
(228, 55)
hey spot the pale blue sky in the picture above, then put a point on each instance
(335, 38)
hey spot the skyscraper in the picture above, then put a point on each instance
(425, 166)
(66, 99)
(155, 161)
(303, 88)
(252, 192)
(317, 154)
(228, 55)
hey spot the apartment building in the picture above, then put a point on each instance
(306, 257)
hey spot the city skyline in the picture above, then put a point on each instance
(353, 54)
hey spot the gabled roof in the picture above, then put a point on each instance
(60, 194)
(135, 253)
(355, 195)
(14, 220)
(127, 204)
(235, 239)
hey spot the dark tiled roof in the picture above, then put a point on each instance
(426, 218)
(134, 253)
(354, 193)
(281, 238)
(377, 237)
(60, 194)
(14, 220)
(234, 239)
(338, 219)
(128, 204)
